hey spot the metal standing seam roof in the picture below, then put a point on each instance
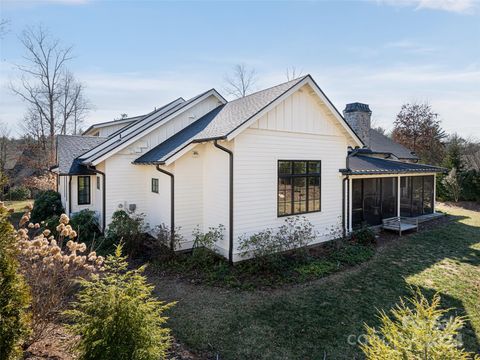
(69, 148)
(125, 121)
(218, 123)
(366, 165)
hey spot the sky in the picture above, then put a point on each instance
(133, 56)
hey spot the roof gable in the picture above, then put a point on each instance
(229, 120)
(134, 131)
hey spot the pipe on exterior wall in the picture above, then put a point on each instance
(104, 195)
(344, 207)
(69, 195)
(172, 205)
(230, 220)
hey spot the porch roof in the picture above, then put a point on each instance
(367, 165)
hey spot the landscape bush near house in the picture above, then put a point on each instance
(85, 223)
(166, 242)
(14, 294)
(127, 324)
(363, 236)
(265, 246)
(19, 193)
(37, 184)
(47, 204)
(51, 266)
(416, 329)
(203, 249)
(128, 229)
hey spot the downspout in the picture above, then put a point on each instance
(230, 220)
(69, 195)
(104, 195)
(343, 207)
(172, 205)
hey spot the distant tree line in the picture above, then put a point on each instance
(418, 128)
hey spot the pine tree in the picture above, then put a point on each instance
(117, 317)
(416, 329)
(14, 294)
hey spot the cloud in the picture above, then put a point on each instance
(453, 93)
(456, 6)
(410, 46)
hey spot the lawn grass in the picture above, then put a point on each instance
(18, 208)
(317, 319)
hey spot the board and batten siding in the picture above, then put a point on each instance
(297, 129)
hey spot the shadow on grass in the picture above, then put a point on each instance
(325, 318)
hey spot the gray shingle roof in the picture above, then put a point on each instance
(218, 123)
(365, 165)
(69, 148)
(383, 144)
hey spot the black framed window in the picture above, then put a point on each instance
(155, 185)
(299, 187)
(98, 182)
(83, 190)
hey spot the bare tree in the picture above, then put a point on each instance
(4, 139)
(50, 90)
(72, 104)
(293, 73)
(241, 82)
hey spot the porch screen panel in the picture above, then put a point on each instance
(371, 201)
(428, 194)
(389, 197)
(417, 195)
(357, 202)
(405, 196)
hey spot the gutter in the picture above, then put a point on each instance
(172, 205)
(104, 195)
(230, 219)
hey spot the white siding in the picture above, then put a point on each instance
(162, 133)
(297, 129)
(216, 191)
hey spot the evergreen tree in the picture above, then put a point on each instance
(14, 295)
(117, 317)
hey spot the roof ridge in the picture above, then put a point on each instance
(297, 80)
(81, 136)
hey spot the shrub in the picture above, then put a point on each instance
(352, 254)
(19, 193)
(47, 204)
(203, 249)
(265, 246)
(470, 181)
(416, 329)
(128, 229)
(452, 185)
(14, 296)
(128, 322)
(363, 236)
(164, 237)
(50, 271)
(85, 223)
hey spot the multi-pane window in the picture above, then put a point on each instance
(298, 187)
(155, 185)
(83, 190)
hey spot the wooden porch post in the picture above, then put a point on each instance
(434, 192)
(398, 196)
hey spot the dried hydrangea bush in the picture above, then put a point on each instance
(51, 267)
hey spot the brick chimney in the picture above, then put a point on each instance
(358, 116)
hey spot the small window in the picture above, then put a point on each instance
(83, 190)
(155, 185)
(98, 182)
(298, 187)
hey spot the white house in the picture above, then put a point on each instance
(245, 164)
